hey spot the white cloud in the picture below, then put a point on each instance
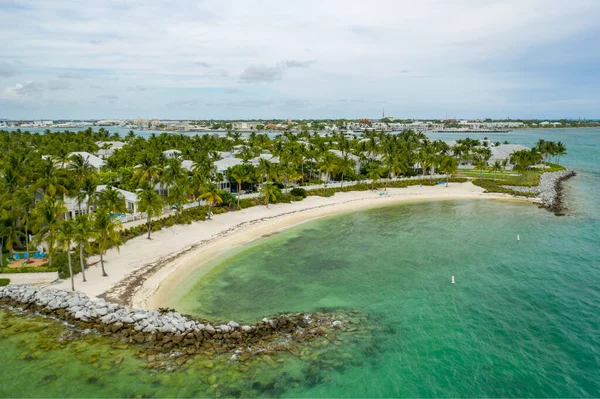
(21, 90)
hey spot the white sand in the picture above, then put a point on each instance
(229, 230)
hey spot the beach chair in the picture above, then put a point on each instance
(16, 256)
(36, 255)
(26, 255)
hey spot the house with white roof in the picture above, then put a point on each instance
(74, 208)
(93, 160)
(353, 157)
(107, 148)
(169, 154)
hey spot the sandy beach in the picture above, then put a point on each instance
(143, 272)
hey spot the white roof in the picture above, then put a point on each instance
(268, 157)
(172, 152)
(92, 159)
(187, 165)
(224, 164)
(338, 154)
(503, 151)
(129, 196)
(113, 144)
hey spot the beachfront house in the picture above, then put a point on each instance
(221, 167)
(75, 208)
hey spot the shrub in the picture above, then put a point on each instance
(298, 192)
(4, 281)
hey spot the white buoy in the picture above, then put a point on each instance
(518, 237)
(452, 279)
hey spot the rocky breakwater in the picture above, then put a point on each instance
(549, 190)
(168, 331)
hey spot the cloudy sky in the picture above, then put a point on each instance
(299, 59)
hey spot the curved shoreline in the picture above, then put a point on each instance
(149, 286)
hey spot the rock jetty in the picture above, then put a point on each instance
(165, 331)
(549, 190)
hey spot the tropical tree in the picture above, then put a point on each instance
(65, 236)
(112, 200)
(496, 167)
(177, 196)
(47, 216)
(449, 166)
(211, 196)
(374, 172)
(269, 192)
(242, 173)
(345, 165)
(84, 232)
(150, 202)
(87, 192)
(106, 234)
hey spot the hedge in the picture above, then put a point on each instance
(4, 281)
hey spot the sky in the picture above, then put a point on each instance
(246, 59)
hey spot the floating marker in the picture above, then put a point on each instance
(452, 279)
(518, 238)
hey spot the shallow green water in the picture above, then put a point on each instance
(522, 319)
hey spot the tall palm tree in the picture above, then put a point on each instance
(87, 192)
(374, 173)
(65, 236)
(177, 196)
(47, 216)
(80, 167)
(112, 200)
(496, 166)
(150, 202)
(84, 232)
(240, 174)
(449, 165)
(269, 191)
(107, 234)
(23, 204)
(212, 197)
(345, 165)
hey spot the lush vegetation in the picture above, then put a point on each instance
(40, 175)
(4, 281)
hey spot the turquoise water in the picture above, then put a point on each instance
(522, 319)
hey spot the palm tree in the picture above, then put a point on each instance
(84, 231)
(178, 196)
(80, 167)
(345, 165)
(240, 174)
(496, 166)
(23, 204)
(150, 202)
(47, 216)
(211, 195)
(449, 165)
(269, 190)
(48, 178)
(87, 192)
(374, 173)
(561, 150)
(66, 233)
(112, 200)
(107, 234)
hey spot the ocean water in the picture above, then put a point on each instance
(522, 320)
